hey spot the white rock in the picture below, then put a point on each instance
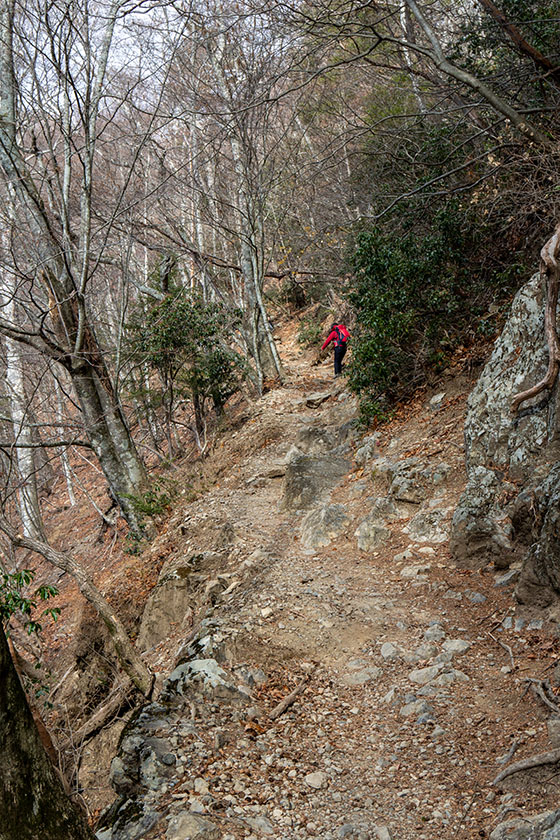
(364, 676)
(266, 612)
(191, 825)
(415, 571)
(421, 676)
(390, 696)
(450, 677)
(417, 707)
(389, 651)
(434, 633)
(426, 650)
(316, 780)
(200, 786)
(456, 646)
(404, 555)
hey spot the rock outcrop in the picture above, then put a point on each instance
(539, 827)
(314, 465)
(509, 509)
(164, 740)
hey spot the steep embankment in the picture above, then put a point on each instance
(317, 561)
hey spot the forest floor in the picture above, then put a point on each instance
(373, 746)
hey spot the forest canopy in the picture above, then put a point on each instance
(244, 161)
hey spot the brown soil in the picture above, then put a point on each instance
(327, 613)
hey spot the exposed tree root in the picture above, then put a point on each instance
(541, 689)
(552, 757)
(550, 278)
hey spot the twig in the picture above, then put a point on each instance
(541, 688)
(59, 683)
(505, 647)
(540, 760)
(503, 759)
(467, 810)
(287, 701)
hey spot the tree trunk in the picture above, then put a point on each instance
(33, 804)
(63, 452)
(111, 442)
(28, 497)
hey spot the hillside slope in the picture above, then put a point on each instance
(316, 560)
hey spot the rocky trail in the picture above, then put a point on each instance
(314, 569)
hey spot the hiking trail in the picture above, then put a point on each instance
(315, 559)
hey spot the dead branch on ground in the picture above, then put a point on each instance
(289, 700)
(119, 698)
(505, 647)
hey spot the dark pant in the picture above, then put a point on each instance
(338, 357)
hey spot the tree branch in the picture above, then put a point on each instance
(552, 70)
(436, 54)
(129, 658)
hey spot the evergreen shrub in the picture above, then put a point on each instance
(415, 297)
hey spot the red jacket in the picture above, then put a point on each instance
(333, 336)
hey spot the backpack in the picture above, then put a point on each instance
(342, 333)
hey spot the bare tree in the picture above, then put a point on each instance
(57, 110)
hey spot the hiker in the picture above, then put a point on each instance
(340, 335)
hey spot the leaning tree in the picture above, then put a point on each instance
(33, 803)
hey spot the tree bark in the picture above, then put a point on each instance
(28, 497)
(33, 804)
(111, 442)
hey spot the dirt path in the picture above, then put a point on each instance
(409, 701)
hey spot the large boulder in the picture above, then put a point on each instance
(480, 534)
(539, 583)
(169, 605)
(204, 678)
(163, 741)
(309, 477)
(509, 507)
(539, 827)
(321, 526)
(428, 526)
(494, 437)
(409, 481)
